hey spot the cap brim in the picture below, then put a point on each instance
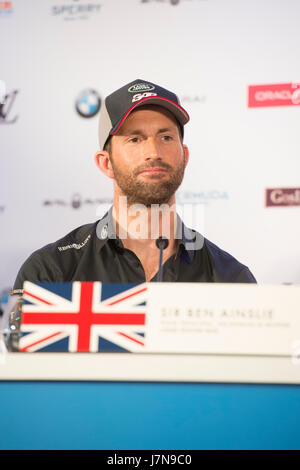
(180, 113)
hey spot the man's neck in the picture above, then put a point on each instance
(139, 227)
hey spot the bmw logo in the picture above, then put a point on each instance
(88, 103)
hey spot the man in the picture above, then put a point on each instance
(142, 151)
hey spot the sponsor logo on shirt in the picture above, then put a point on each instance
(75, 246)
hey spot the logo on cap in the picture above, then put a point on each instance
(140, 87)
(140, 96)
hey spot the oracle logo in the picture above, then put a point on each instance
(283, 94)
(282, 197)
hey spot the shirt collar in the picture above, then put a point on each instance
(106, 230)
(189, 240)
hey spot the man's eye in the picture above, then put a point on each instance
(134, 140)
(167, 137)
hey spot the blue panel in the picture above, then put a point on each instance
(95, 415)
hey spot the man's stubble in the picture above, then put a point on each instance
(158, 190)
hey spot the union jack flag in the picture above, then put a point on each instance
(83, 317)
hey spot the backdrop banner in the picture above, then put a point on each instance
(233, 66)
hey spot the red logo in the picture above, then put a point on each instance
(282, 94)
(5, 6)
(279, 197)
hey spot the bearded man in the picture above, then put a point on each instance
(141, 132)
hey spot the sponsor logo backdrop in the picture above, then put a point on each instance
(233, 66)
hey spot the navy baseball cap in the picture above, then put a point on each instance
(119, 104)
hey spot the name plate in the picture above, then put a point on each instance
(204, 318)
(243, 319)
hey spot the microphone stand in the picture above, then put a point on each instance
(161, 243)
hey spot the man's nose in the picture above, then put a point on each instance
(151, 150)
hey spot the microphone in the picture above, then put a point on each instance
(161, 243)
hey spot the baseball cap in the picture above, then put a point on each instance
(119, 104)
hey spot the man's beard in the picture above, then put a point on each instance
(157, 190)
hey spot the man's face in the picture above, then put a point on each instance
(147, 156)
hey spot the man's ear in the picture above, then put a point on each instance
(103, 163)
(186, 154)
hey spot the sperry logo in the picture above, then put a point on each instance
(140, 87)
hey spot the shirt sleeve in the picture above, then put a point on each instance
(37, 268)
(245, 275)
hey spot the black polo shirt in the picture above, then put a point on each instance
(93, 252)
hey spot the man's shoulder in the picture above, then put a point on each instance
(72, 242)
(218, 252)
(226, 267)
(55, 261)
